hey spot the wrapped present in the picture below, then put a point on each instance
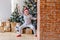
(28, 31)
(7, 26)
(2, 27)
(13, 25)
(24, 31)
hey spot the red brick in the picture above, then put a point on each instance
(50, 19)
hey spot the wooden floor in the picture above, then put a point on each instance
(12, 36)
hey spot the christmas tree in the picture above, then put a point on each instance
(32, 6)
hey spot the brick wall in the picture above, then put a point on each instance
(50, 19)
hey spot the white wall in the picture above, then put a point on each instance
(5, 9)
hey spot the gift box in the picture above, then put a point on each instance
(13, 25)
(24, 31)
(2, 27)
(7, 26)
(6, 29)
(28, 31)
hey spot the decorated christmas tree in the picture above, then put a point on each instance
(32, 6)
